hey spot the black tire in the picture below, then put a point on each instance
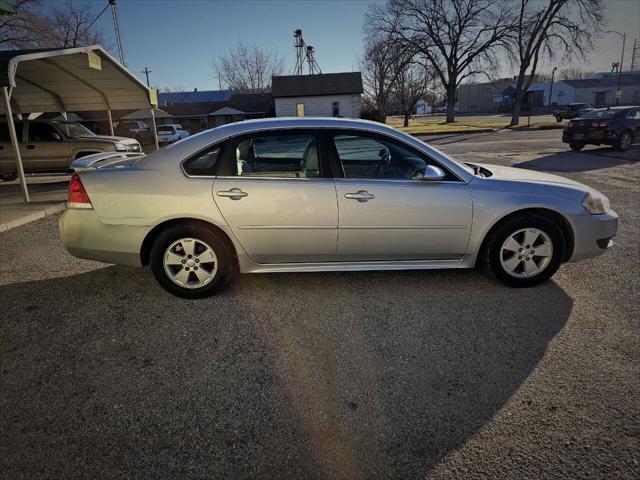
(490, 255)
(558, 118)
(8, 177)
(622, 144)
(576, 146)
(218, 243)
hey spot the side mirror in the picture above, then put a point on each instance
(432, 173)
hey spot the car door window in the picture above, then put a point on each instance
(278, 155)
(43, 132)
(364, 156)
(4, 132)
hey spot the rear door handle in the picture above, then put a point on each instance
(233, 194)
(361, 196)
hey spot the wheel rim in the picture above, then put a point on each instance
(526, 253)
(625, 141)
(190, 263)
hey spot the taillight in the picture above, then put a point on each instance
(602, 123)
(78, 197)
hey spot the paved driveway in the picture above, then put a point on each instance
(338, 375)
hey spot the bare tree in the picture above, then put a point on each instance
(551, 28)
(247, 68)
(458, 38)
(574, 73)
(61, 26)
(70, 26)
(378, 74)
(17, 30)
(411, 84)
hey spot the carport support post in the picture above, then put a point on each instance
(110, 122)
(153, 126)
(14, 143)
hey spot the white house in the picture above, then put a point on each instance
(321, 95)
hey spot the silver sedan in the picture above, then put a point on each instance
(311, 195)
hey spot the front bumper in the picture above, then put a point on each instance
(593, 234)
(84, 235)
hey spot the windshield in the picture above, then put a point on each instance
(166, 129)
(606, 114)
(73, 129)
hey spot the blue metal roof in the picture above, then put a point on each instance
(196, 96)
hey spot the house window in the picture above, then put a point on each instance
(300, 109)
(335, 109)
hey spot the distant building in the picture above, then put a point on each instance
(484, 97)
(599, 92)
(498, 96)
(321, 95)
(199, 110)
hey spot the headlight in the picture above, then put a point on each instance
(121, 147)
(595, 203)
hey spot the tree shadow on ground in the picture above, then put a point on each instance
(334, 375)
(593, 159)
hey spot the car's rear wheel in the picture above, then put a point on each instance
(624, 141)
(576, 146)
(524, 251)
(8, 177)
(558, 118)
(191, 261)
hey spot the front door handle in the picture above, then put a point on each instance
(361, 196)
(233, 194)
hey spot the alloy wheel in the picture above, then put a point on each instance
(625, 141)
(526, 252)
(190, 263)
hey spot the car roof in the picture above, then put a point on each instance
(628, 107)
(168, 157)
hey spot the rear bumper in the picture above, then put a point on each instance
(593, 234)
(597, 137)
(84, 235)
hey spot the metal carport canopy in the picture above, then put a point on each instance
(67, 80)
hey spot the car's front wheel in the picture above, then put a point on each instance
(624, 141)
(558, 118)
(524, 251)
(191, 261)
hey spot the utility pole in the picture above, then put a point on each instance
(116, 27)
(146, 72)
(634, 54)
(553, 75)
(624, 38)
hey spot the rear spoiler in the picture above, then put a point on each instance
(95, 161)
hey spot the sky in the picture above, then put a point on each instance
(179, 41)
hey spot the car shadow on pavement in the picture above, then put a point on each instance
(593, 159)
(333, 375)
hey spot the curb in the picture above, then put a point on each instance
(33, 216)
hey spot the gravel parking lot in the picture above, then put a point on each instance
(438, 374)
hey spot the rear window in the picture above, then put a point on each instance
(204, 163)
(606, 114)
